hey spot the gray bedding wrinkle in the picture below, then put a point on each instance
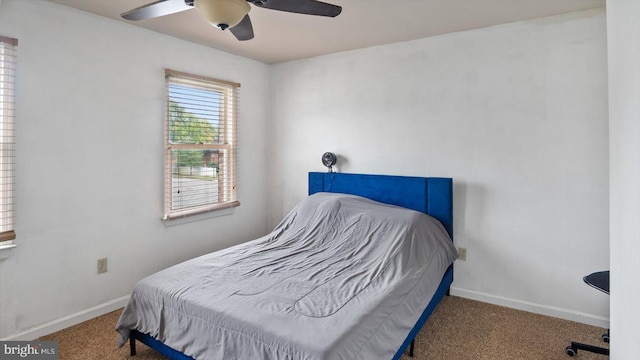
(336, 279)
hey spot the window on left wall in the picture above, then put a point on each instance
(7, 152)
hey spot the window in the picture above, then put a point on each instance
(200, 137)
(7, 99)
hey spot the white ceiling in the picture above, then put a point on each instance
(281, 36)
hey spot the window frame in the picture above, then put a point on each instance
(7, 139)
(227, 176)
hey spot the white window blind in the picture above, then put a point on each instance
(200, 136)
(7, 155)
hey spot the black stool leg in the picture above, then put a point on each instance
(575, 346)
(132, 345)
(572, 349)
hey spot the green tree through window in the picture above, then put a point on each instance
(186, 128)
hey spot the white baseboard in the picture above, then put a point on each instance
(67, 321)
(532, 307)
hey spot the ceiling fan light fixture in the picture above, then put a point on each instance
(223, 13)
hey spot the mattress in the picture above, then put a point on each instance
(341, 277)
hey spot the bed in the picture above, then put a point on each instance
(352, 272)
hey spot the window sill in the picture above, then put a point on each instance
(198, 217)
(5, 249)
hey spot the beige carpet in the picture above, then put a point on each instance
(459, 329)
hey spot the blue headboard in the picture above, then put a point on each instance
(431, 195)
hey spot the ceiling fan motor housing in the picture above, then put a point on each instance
(223, 13)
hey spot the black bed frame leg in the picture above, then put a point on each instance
(132, 345)
(411, 347)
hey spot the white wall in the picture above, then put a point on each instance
(516, 114)
(90, 161)
(623, 39)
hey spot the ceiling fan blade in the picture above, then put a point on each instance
(155, 9)
(244, 30)
(309, 7)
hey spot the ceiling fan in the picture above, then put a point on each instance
(231, 14)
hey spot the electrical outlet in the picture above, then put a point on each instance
(462, 254)
(102, 265)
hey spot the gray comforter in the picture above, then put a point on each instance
(341, 277)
